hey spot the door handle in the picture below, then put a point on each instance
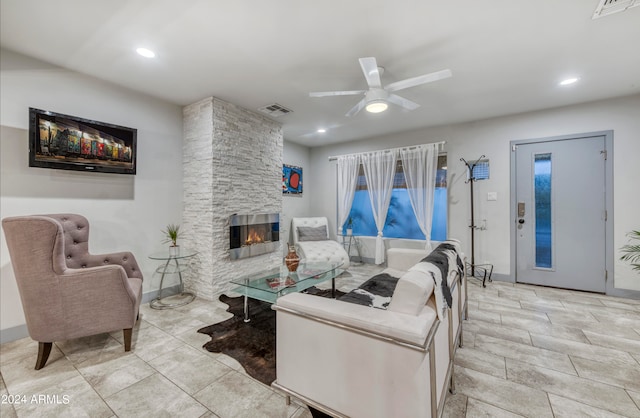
(520, 221)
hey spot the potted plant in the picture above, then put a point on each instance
(172, 233)
(632, 251)
(350, 226)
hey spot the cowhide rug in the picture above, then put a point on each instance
(253, 343)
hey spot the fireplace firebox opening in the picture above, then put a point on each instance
(251, 235)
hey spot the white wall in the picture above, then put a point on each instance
(295, 206)
(491, 137)
(125, 212)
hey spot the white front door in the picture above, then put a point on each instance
(560, 213)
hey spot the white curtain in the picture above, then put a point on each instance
(348, 166)
(420, 166)
(379, 170)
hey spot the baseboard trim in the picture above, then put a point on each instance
(366, 260)
(615, 292)
(168, 291)
(496, 277)
(502, 278)
(14, 333)
(20, 331)
(624, 293)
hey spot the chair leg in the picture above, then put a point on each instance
(44, 349)
(127, 338)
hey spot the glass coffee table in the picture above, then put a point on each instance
(269, 285)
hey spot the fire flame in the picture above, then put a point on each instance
(253, 238)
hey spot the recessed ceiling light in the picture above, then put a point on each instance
(568, 81)
(321, 130)
(147, 53)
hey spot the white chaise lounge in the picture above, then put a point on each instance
(311, 238)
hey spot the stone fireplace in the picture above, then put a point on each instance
(232, 160)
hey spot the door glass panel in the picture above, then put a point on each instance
(542, 195)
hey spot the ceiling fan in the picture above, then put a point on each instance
(377, 98)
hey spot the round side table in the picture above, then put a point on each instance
(172, 265)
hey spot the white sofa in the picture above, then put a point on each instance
(325, 250)
(357, 361)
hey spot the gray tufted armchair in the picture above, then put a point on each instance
(66, 292)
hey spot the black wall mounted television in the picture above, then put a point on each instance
(72, 143)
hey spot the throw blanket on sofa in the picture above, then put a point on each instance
(375, 292)
(454, 255)
(439, 264)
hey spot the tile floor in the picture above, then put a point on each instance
(529, 351)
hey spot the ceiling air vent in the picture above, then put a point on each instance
(275, 110)
(607, 7)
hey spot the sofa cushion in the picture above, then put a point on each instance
(311, 233)
(404, 258)
(412, 292)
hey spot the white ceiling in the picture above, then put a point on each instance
(506, 56)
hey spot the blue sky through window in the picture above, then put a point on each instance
(401, 221)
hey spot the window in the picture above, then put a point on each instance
(401, 221)
(543, 217)
(480, 170)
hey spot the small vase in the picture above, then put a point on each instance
(174, 251)
(292, 260)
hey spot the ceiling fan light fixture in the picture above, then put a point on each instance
(377, 97)
(376, 106)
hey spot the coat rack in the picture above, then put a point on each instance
(471, 180)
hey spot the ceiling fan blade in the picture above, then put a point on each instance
(416, 81)
(357, 108)
(370, 69)
(336, 93)
(401, 101)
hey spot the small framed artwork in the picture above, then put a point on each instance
(291, 180)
